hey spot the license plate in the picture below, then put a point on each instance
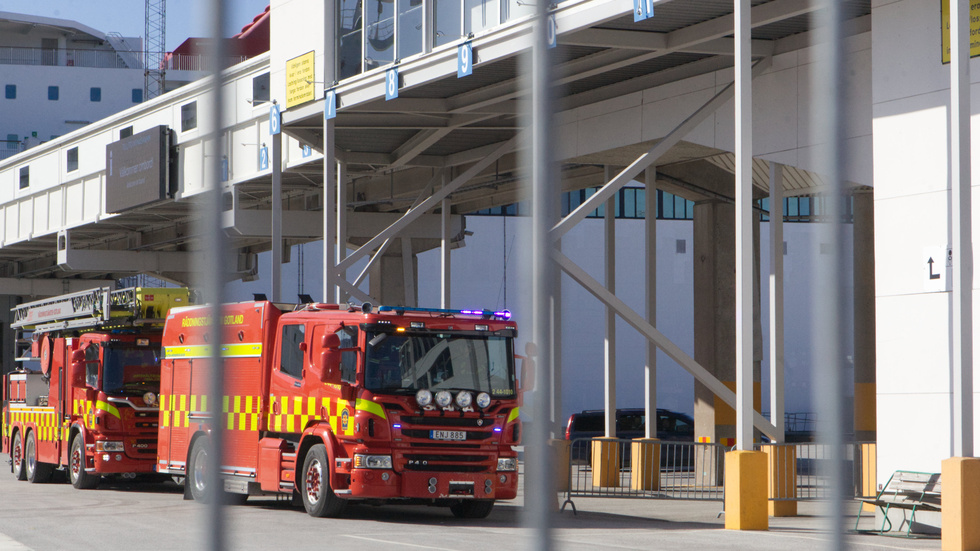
(447, 435)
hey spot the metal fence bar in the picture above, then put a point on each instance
(796, 471)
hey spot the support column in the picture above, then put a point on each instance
(392, 277)
(605, 451)
(777, 387)
(714, 315)
(445, 277)
(276, 279)
(865, 424)
(330, 290)
(341, 225)
(645, 452)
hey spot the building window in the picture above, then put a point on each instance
(25, 177)
(126, 132)
(290, 355)
(95, 94)
(137, 95)
(260, 89)
(10, 91)
(188, 116)
(53, 93)
(13, 141)
(72, 159)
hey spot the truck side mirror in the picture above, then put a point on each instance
(330, 359)
(78, 368)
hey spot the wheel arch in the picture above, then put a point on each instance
(319, 433)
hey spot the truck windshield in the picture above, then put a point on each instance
(130, 370)
(408, 362)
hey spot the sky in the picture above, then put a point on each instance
(185, 18)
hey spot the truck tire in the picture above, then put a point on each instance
(197, 470)
(17, 457)
(36, 471)
(318, 498)
(80, 479)
(479, 508)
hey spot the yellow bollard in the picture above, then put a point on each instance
(961, 504)
(782, 480)
(645, 464)
(605, 462)
(562, 453)
(745, 491)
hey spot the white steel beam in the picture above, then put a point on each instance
(672, 351)
(650, 254)
(609, 253)
(27, 287)
(777, 388)
(962, 226)
(342, 218)
(89, 260)
(744, 305)
(445, 274)
(408, 271)
(633, 170)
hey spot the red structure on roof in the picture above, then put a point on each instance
(251, 41)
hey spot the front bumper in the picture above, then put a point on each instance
(371, 483)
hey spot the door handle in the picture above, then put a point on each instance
(297, 384)
(275, 406)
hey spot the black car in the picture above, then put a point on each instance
(630, 423)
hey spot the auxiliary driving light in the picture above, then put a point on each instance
(464, 399)
(483, 400)
(423, 397)
(150, 399)
(443, 398)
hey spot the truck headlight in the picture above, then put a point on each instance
(506, 463)
(362, 461)
(109, 447)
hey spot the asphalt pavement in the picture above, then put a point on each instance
(147, 516)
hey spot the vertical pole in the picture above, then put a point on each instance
(329, 156)
(828, 280)
(446, 275)
(556, 329)
(428, 25)
(960, 180)
(609, 224)
(777, 398)
(650, 375)
(341, 225)
(743, 224)
(540, 492)
(276, 279)
(408, 271)
(211, 273)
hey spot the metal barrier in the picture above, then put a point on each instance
(644, 469)
(796, 473)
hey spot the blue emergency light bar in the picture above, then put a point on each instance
(502, 314)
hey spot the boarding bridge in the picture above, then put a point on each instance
(643, 93)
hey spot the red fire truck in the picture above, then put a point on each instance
(91, 407)
(340, 404)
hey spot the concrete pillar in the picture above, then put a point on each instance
(961, 504)
(865, 423)
(714, 314)
(388, 279)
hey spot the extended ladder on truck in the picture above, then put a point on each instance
(99, 308)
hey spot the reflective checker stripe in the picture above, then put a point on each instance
(297, 411)
(42, 419)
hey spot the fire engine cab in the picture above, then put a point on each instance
(91, 404)
(334, 404)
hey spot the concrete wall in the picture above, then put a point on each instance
(910, 106)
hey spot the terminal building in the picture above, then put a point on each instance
(420, 105)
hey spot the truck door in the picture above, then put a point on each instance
(290, 409)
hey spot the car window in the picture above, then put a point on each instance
(630, 422)
(589, 423)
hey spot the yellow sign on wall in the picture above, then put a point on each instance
(299, 80)
(974, 28)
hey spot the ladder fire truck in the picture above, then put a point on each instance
(92, 405)
(332, 404)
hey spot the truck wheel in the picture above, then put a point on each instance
(472, 509)
(17, 457)
(197, 470)
(36, 471)
(80, 479)
(318, 498)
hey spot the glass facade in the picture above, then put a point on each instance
(375, 33)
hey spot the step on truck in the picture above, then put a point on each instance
(84, 398)
(335, 405)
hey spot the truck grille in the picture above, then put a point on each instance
(448, 421)
(446, 463)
